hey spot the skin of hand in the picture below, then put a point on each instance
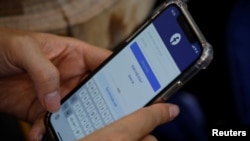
(38, 69)
(136, 126)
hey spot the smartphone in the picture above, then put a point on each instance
(152, 64)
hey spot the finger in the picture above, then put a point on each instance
(43, 73)
(94, 56)
(37, 130)
(149, 138)
(145, 120)
(136, 125)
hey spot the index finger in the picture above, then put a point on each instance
(136, 125)
(142, 122)
(94, 55)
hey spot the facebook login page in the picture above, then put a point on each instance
(137, 73)
(129, 80)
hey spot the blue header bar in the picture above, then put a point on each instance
(167, 25)
(145, 66)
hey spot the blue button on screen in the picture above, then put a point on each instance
(145, 66)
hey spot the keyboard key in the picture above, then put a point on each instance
(73, 122)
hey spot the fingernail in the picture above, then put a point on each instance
(173, 111)
(52, 101)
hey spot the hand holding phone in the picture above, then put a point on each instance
(158, 59)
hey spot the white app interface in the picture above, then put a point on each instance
(125, 84)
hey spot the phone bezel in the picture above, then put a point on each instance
(202, 63)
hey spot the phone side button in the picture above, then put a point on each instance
(172, 90)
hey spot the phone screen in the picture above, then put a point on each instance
(130, 79)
